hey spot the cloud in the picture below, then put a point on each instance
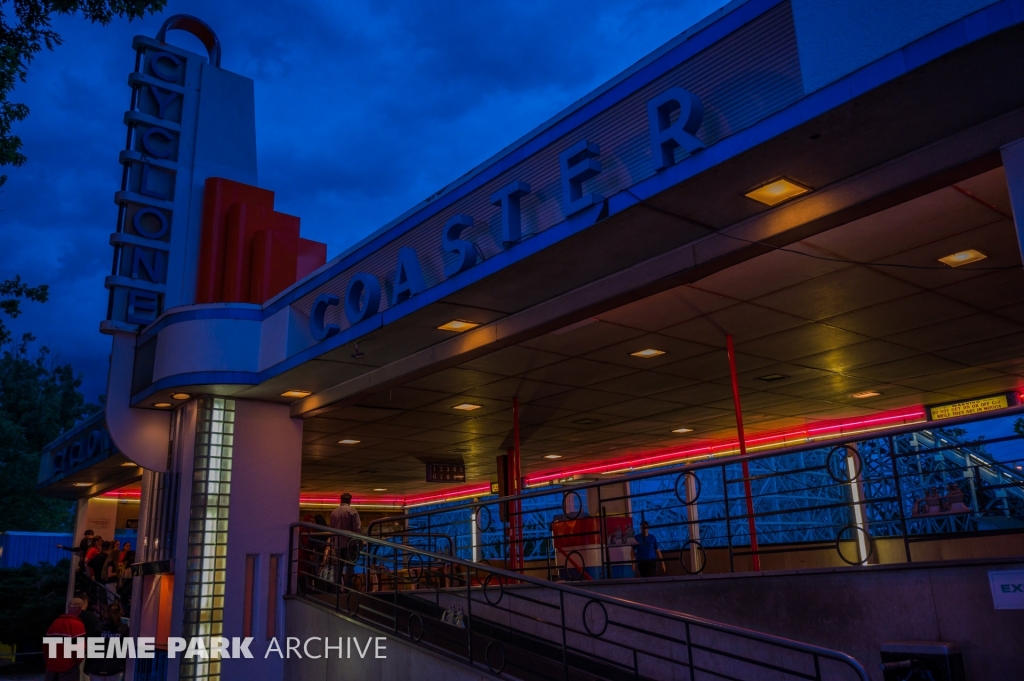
(363, 109)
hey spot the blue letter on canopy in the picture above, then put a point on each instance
(665, 135)
(511, 218)
(317, 326)
(465, 251)
(355, 310)
(408, 276)
(578, 165)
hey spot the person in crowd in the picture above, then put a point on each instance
(93, 626)
(83, 545)
(111, 569)
(345, 518)
(646, 554)
(108, 668)
(125, 550)
(68, 625)
(90, 553)
(98, 561)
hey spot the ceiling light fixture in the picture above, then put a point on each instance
(963, 258)
(458, 325)
(465, 406)
(129, 463)
(358, 354)
(296, 393)
(161, 405)
(380, 489)
(83, 484)
(648, 353)
(180, 396)
(552, 456)
(349, 442)
(768, 378)
(683, 430)
(864, 394)
(777, 191)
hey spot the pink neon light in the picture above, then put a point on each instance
(794, 436)
(122, 494)
(820, 429)
(466, 491)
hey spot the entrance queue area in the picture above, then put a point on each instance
(729, 352)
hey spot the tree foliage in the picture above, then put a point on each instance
(39, 399)
(31, 597)
(11, 293)
(25, 29)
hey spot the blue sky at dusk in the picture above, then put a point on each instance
(363, 109)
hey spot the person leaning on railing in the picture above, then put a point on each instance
(345, 518)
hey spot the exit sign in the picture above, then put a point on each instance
(446, 472)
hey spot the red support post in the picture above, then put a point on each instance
(743, 451)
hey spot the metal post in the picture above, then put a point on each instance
(565, 651)
(516, 483)
(858, 506)
(899, 498)
(606, 562)
(288, 586)
(394, 584)
(743, 451)
(728, 520)
(689, 652)
(469, 616)
(692, 517)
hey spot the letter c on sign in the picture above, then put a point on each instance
(355, 309)
(317, 328)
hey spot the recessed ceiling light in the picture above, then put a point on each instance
(683, 430)
(349, 442)
(648, 353)
(161, 405)
(777, 191)
(83, 484)
(180, 396)
(458, 325)
(296, 393)
(768, 378)
(963, 258)
(587, 422)
(129, 463)
(552, 456)
(380, 489)
(465, 406)
(865, 394)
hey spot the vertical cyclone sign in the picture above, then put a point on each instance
(188, 120)
(161, 139)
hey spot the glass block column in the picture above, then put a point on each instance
(208, 531)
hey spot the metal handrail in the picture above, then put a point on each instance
(506, 576)
(712, 461)
(876, 477)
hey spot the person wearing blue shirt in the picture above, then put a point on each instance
(646, 553)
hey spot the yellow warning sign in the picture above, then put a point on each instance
(968, 407)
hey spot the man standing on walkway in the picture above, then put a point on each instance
(345, 550)
(646, 552)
